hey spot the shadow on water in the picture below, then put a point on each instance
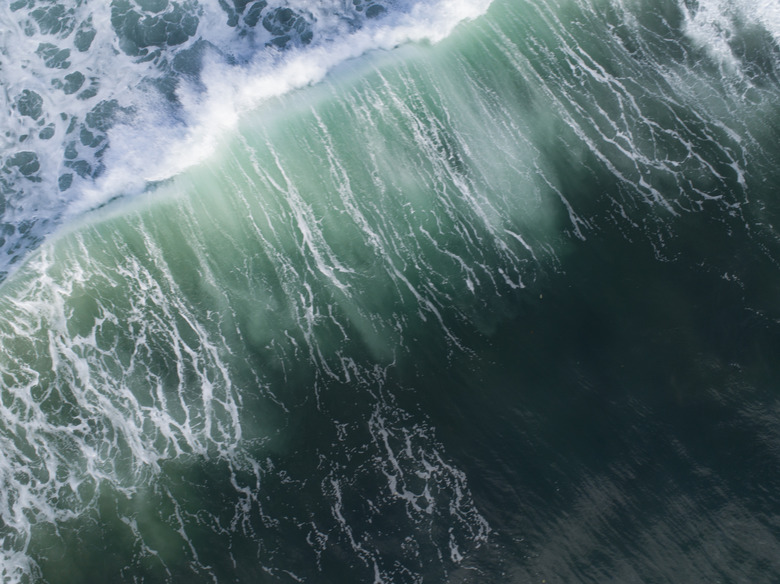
(622, 425)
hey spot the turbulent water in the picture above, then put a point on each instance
(389, 291)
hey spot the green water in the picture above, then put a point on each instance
(499, 309)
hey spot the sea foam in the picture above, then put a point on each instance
(103, 98)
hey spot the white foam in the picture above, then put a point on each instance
(159, 140)
(766, 12)
(153, 152)
(713, 24)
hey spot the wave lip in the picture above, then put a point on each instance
(102, 97)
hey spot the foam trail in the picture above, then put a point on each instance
(100, 106)
(224, 380)
(121, 373)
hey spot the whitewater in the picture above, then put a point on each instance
(164, 80)
(389, 291)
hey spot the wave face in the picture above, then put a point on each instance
(103, 97)
(397, 291)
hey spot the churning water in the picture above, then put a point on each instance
(389, 291)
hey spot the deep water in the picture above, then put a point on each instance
(390, 292)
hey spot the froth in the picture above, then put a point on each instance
(718, 25)
(97, 109)
(231, 91)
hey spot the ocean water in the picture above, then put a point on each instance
(389, 291)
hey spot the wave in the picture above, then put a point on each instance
(159, 367)
(103, 98)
